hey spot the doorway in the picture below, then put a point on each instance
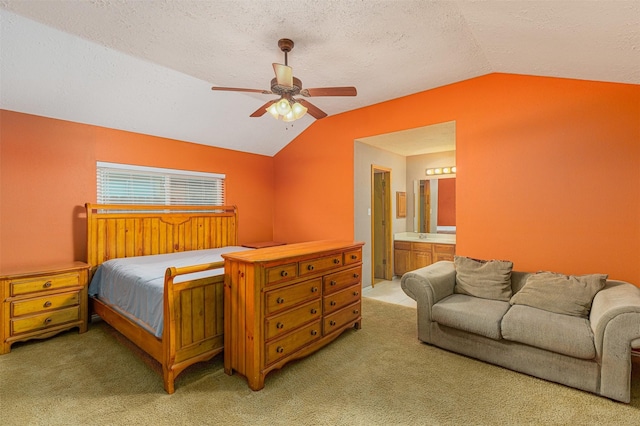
(381, 225)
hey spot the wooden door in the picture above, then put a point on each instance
(381, 224)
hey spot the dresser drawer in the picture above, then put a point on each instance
(45, 320)
(338, 319)
(340, 299)
(289, 320)
(287, 345)
(45, 303)
(286, 297)
(44, 283)
(320, 264)
(340, 280)
(354, 256)
(282, 273)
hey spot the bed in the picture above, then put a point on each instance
(191, 289)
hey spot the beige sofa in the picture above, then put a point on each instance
(592, 353)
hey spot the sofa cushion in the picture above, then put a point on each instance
(471, 314)
(562, 294)
(488, 279)
(563, 334)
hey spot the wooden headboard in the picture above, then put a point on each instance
(115, 231)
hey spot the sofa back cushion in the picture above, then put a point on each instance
(562, 294)
(487, 279)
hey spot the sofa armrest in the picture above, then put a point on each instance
(427, 286)
(615, 321)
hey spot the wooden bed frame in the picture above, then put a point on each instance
(193, 310)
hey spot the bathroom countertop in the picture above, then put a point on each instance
(425, 238)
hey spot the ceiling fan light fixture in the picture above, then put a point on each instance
(273, 110)
(298, 110)
(289, 117)
(283, 107)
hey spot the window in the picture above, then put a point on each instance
(127, 184)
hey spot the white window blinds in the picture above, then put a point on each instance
(128, 184)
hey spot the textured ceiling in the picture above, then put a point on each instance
(147, 66)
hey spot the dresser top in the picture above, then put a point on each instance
(313, 248)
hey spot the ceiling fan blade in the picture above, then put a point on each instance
(330, 91)
(237, 89)
(260, 111)
(313, 110)
(284, 75)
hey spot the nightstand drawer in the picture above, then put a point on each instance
(45, 320)
(44, 283)
(45, 303)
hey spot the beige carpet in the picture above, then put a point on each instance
(379, 375)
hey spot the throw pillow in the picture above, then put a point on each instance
(487, 279)
(562, 294)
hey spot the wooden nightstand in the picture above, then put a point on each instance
(42, 303)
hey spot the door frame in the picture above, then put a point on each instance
(387, 217)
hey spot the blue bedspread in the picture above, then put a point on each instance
(134, 286)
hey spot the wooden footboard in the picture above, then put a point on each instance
(193, 320)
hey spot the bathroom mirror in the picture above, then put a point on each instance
(435, 205)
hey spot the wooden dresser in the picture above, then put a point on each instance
(40, 304)
(283, 303)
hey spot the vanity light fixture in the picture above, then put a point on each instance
(441, 171)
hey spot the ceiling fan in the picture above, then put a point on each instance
(286, 107)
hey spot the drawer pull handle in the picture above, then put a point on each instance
(333, 303)
(279, 349)
(332, 323)
(284, 273)
(333, 282)
(47, 284)
(355, 311)
(280, 325)
(314, 311)
(47, 321)
(356, 275)
(336, 261)
(279, 300)
(46, 304)
(355, 293)
(314, 289)
(310, 267)
(354, 256)
(314, 332)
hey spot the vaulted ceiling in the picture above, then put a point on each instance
(148, 66)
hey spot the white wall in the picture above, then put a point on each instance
(365, 156)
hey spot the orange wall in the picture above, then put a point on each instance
(548, 171)
(47, 171)
(446, 202)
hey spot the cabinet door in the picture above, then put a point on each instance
(401, 261)
(421, 259)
